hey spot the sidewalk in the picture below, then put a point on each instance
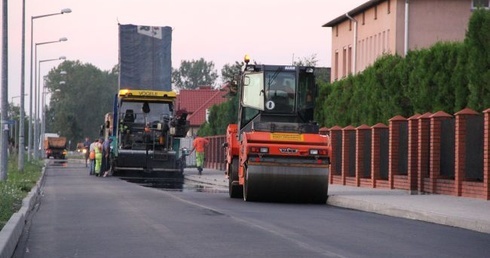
(468, 213)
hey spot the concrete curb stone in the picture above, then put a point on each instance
(12, 231)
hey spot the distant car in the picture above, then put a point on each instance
(81, 148)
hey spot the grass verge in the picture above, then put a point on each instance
(17, 186)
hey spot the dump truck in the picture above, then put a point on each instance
(145, 127)
(275, 152)
(55, 147)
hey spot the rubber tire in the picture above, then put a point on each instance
(235, 191)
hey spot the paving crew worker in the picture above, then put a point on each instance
(98, 157)
(92, 157)
(86, 146)
(199, 145)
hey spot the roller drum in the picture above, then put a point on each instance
(286, 184)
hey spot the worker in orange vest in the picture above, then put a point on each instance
(199, 145)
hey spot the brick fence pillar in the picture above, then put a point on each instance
(424, 152)
(376, 152)
(346, 155)
(361, 132)
(486, 153)
(413, 147)
(336, 158)
(324, 131)
(435, 147)
(394, 148)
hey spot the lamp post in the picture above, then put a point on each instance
(36, 125)
(37, 94)
(20, 161)
(63, 11)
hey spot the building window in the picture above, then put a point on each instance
(344, 63)
(384, 42)
(389, 6)
(350, 25)
(349, 62)
(362, 53)
(480, 3)
(388, 48)
(370, 49)
(337, 31)
(336, 66)
(363, 18)
(376, 12)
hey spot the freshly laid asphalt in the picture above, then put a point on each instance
(468, 213)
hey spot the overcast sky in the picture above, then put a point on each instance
(221, 31)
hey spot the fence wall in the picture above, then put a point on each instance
(429, 153)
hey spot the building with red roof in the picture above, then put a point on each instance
(196, 102)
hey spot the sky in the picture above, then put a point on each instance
(221, 31)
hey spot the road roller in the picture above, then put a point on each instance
(275, 152)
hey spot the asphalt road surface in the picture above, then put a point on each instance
(84, 216)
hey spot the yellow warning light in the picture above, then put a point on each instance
(246, 59)
(123, 92)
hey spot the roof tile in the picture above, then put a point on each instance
(195, 102)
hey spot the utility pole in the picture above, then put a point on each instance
(21, 142)
(4, 99)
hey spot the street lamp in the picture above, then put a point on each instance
(14, 97)
(36, 123)
(63, 11)
(37, 92)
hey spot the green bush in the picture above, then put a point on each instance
(16, 187)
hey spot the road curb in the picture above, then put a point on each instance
(12, 231)
(389, 210)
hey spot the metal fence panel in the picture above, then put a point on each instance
(474, 148)
(447, 148)
(367, 155)
(384, 154)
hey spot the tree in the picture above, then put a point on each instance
(306, 61)
(228, 72)
(195, 73)
(78, 106)
(478, 45)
